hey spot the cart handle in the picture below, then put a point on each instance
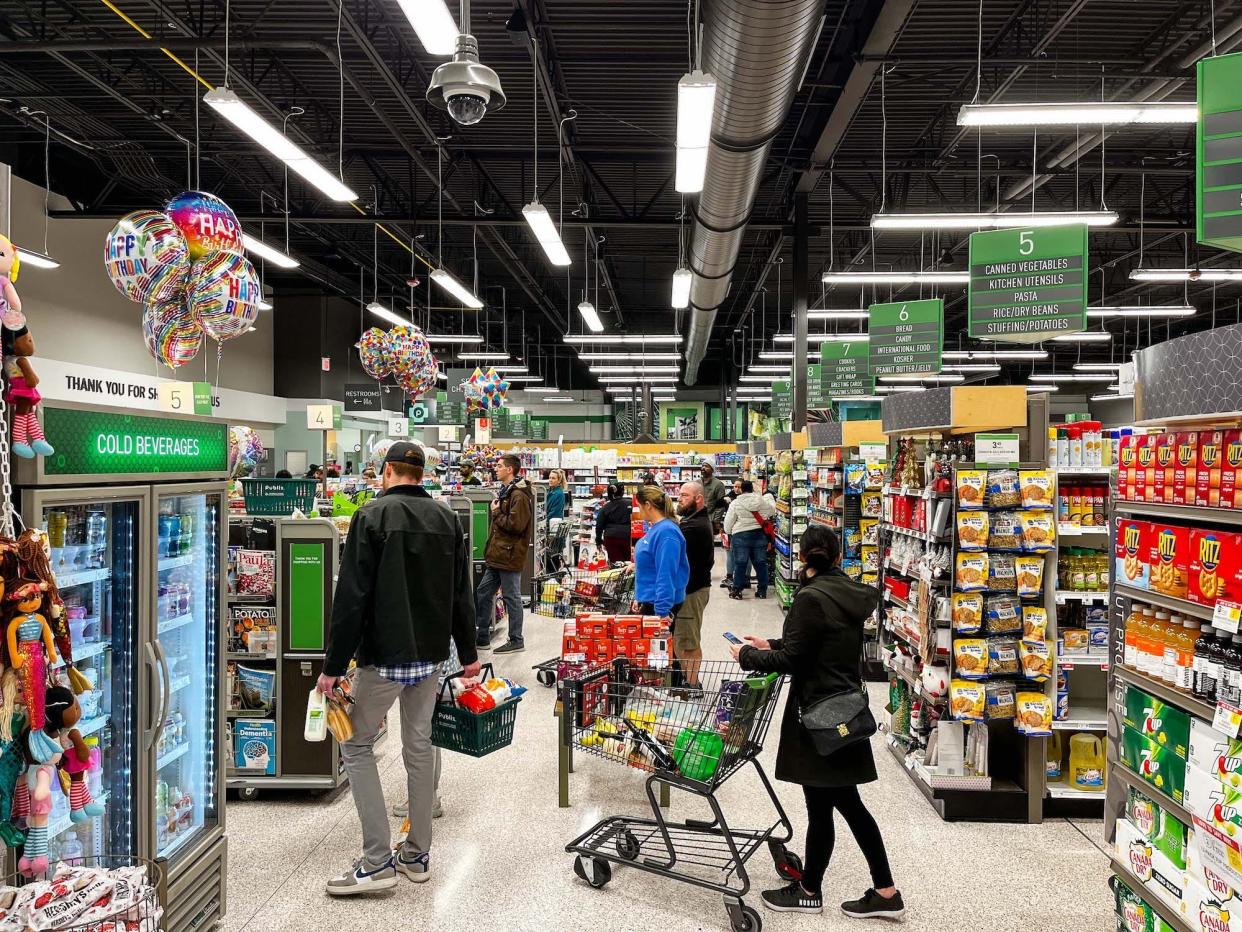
(485, 673)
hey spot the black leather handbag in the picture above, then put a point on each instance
(841, 719)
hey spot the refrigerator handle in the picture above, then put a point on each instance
(156, 721)
(166, 696)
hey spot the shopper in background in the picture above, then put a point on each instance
(369, 473)
(696, 528)
(333, 473)
(650, 479)
(556, 494)
(730, 496)
(821, 649)
(714, 493)
(403, 592)
(508, 540)
(747, 539)
(613, 524)
(283, 474)
(468, 475)
(661, 569)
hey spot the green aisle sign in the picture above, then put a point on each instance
(846, 368)
(1218, 161)
(816, 395)
(906, 337)
(782, 400)
(1028, 285)
(519, 426)
(538, 428)
(500, 422)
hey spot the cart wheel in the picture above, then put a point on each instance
(750, 920)
(248, 793)
(546, 677)
(628, 846)
(595, 871)
(791, 867)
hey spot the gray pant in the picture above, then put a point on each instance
(509, 582)
(373, 699)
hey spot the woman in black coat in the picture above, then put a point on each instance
(612, 524)
(821, 649)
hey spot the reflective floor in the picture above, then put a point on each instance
(498, 860)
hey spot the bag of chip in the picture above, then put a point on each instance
(972, 530)
(999, 698)
(972, 571)
(971, 488)
(970, 658)
(967, 700)
(1038, 531)
(1036, 658)
(1034, 715)
(1002, 614)
(1002, 657)
(1034, 622)
(1037, 486)
(1030, 572)
(967, 612)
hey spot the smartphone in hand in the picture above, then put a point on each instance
(732, 638)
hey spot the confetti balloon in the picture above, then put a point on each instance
(171, 335)
(207, 223)
(412, 360)
(433, 457)
(245, 450)
(372, 349)
(223, 295)
(146, 257)
(473, 390)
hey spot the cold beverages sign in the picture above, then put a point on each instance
(1028, 285)
(906, 337)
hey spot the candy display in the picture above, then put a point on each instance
(206, 222)
(119, 899)
(171, 335)
(147, 258)
(223, 295)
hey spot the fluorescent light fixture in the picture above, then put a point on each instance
(459, 291)
(1186, 275)
(855, 314)
(992, 220)
(696, 104)
(755, 370)
(541, 389)
(635, 356)
(515, 369)
(1031, 389)
(940, 379)
(1111, 397)
(823, 338)
(433, 24)
(560, 398)
(385, 314)
(1143, 310)
(499, 356)
(590, 317)
(451, 337)
(240, 114)
(895, 278)
(765, 379)
(637, 370)
(1115, 387)
(37, 259)
(540, 222)
(666, 339)
(523, 378)
(893, 389)
(787, 354)
(994, 354)
(860, 397)
(1098, 366)
(1069, 113)
(270, 253)
(681, 289)
(1072, 377)
(972, 367)
(1086, 336)
(668, 379)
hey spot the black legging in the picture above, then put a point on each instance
(821, 834)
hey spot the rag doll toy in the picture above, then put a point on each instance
(63, 713)
(44, 753)
(23, 394)
(35, 564)
(10, 304)
(32, 651)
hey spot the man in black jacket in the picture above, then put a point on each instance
(403, 591)
(696, 527)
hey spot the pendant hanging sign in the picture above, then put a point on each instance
(846, 368)
(1218, 174)
(1028, 285)
(782, 400)
(817, 398)
(906, 337)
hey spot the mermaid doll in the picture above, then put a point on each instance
(32, 651)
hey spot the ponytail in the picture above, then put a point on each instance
(656, 497)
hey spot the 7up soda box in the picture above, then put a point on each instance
(1215, 753)
(1166, 725)
(1159, 766)
(1217, 805)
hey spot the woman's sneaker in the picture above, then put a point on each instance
(874, 906)
(361, 880)
(793, 899)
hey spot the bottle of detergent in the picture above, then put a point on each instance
(1086, 762)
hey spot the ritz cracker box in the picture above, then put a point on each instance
(1231, 469)
(1186, 468)
(1126, 468)
(1132, 554)
(1215, 566)
(1144, 448)
(1166, 456)
(1207, 479)
(1170, 560)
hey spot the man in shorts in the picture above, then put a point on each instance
(696, 527)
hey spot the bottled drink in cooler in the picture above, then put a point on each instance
(96, 537)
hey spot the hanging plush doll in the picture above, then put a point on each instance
(31, 649)
(63, 713)
(22, 393)
(10, 304)
(35, 564)
(44, 752)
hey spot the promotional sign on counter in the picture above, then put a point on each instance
(906, 337)
(1028, 285)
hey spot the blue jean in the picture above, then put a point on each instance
(750, 547)
(510, 583)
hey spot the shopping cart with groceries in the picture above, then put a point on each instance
(686, 737)
(568, 593)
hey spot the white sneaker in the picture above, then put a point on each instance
(361, 880)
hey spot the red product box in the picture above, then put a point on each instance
(640, 647)
(571, 644)
(1215, 566)
(622, 647)
(592, 628)
(1186, 467)
(1126, 468)
(1207, 478)
(1166, 453)
(1231, 470)
(1144, 468)
(600, 650)
(1132, 554)
(652, 626)
(1170, 559)
(627, 626)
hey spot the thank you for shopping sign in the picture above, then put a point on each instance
(906, 337)
(1028, 285)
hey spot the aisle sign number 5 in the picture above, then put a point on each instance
(323, 417)
(185, 397)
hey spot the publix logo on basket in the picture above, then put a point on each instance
(1166, 543)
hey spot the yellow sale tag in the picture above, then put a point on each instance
(1226, 615)
(1227, 720)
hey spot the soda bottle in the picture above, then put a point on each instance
(1142, 639)
(1159, 640)
(1214, 667)
(1229, 689)
(1203, 649)
(1130, 657)
(1186, 640)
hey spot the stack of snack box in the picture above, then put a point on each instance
(595, 638)
(1201, 468)
(1213, 895)
(1202, 565)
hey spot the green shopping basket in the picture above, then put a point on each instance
(456, 729)
(278, 496)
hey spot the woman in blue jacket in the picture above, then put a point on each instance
(556, 494)
(661, 569)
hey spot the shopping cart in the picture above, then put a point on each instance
(566, 593)
(694, 739)
(554, 545)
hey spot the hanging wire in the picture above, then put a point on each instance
(534, 74)
(979, 56)
(340, 68)
(284, 128)
(47, 175)
(883, 140)
(227, 11)
(198, 152)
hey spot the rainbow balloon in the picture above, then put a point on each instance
(146, 257)
(207, 223)
(223, 295)
(170, 335)
(372, 349)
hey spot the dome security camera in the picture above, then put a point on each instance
(465, 87)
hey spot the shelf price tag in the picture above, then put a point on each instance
(1226, 616)
(1228, 719)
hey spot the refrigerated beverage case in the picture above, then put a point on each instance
(1203, 649)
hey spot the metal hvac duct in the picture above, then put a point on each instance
(757, 51)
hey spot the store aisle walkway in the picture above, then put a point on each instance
(499, 862)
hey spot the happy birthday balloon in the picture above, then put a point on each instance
(208, 224)
(223, 295)
(412, 360)
(170, 334)
(372, 349)
(245, 450)
(147, 257)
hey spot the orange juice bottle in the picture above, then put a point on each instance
(1147, 643)
(1130, 658)
(1172, 644)
(1162, 634)
(1185, 672)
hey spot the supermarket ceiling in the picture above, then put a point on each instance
(873, 124)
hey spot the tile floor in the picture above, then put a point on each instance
(499, 858)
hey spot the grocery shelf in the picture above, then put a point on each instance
(85, 652)
(1084, 470)
(1084, 716)
(171, 563)
(247, 713)
(925, 536)
(1168, 694)
(172, 624)
(82, 577)
(1119, 771)
(1059, 791)
(57, 826)
(92, 725)
(1185, 606)
(1073, 595)
(1083, 660)
(1166, 912)
(1162, 510)
(1080, 530)
(169, 757)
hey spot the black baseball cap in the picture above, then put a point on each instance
(409, 453)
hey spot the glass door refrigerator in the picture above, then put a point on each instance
(133, 506)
